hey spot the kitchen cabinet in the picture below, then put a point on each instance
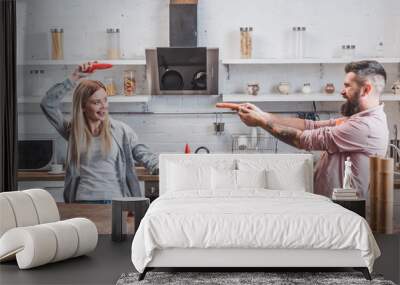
(65, 62)
(111, 99)
(54, 183)
(43, 64)
(54, 187)
(297, 97)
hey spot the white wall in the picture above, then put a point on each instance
(144, 24)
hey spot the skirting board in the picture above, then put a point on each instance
(178, 257)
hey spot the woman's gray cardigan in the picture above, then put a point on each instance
(129, 148)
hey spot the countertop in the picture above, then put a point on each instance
(141, 172)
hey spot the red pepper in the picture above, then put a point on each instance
(95, 66)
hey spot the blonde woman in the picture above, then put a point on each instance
(101, 151)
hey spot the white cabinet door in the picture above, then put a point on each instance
(55, 188)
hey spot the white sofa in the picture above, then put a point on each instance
(31, 231)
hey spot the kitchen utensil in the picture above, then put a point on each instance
(242, 142)
(199, 81)
(219, 126)
(254, 136)
(171, 79)
(202, 148)
(396, 142)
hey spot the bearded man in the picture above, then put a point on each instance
(362, 132)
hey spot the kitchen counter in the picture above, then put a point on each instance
(141, 172)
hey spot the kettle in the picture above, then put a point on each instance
(200, 148)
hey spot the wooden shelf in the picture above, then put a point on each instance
(318, 97)
(80, 61)
(304, 60)
(111, 99)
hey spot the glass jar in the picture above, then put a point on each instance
(284, 88)
(111, 88)
(243, 50)
(246, 42)
(329, 88)
(113, 44)
(57, 44)
(129, 83)
(249, 43)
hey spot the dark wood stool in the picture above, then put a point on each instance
(138, 205)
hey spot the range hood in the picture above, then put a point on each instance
(183, 68)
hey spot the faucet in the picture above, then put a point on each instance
(200, 148)
(396, 157)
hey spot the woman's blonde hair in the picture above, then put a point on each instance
(80, 136)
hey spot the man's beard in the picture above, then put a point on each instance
(352, 106)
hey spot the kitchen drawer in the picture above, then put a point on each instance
(55, 188)
(151, 189)
(396, 208)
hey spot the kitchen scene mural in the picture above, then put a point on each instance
(165, 66)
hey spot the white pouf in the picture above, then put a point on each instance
(31, 232)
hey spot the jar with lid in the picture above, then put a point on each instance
(129, 83)
(113, 44)
(249, 42)
(111, 88)
(306, 89)
(284, 88)
(57, 43)
(298, 37)
(329, 88)
(246, 42)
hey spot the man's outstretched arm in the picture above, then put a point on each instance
(257, 118)
(288, 135)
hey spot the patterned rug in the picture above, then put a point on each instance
(243, 278)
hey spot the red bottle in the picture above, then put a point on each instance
(187, 148)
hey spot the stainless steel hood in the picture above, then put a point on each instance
(182, 71)
(183, 68)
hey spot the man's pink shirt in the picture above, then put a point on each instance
(360, 136)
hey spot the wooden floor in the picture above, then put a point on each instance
(102, 266)
(111, 259)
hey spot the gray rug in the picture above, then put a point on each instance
(229, 278)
